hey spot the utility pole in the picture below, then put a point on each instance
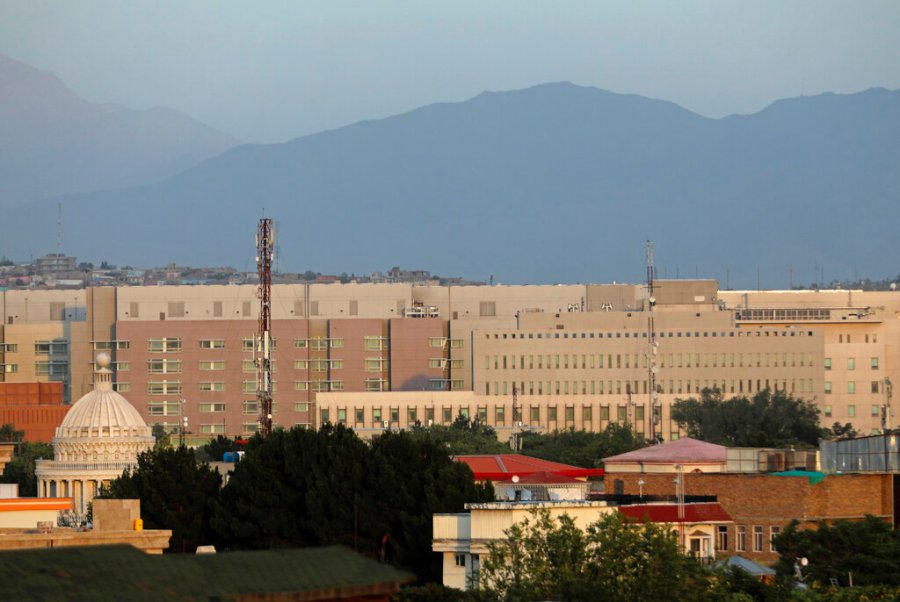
(265, 244)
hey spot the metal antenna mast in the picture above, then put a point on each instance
(59, 225)
(515, 419)
(652, 369)
(265, 244)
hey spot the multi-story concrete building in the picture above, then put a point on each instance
(387, 355)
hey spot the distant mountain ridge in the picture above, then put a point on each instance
(555, 183)
(53, 142)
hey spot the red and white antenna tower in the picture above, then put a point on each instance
(265, 245)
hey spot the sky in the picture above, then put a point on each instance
(269, 71)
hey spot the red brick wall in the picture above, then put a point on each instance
(35, 408)
(767, 500)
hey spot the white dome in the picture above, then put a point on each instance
(103, 413)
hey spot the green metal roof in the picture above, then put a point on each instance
(814, 477)
(124, 573)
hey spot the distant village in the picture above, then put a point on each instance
(58, 270)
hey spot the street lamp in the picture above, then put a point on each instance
(641, 488)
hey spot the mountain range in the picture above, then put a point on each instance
(555, 183)
(54, 142)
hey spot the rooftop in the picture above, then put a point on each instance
(502, 467)
(685, 450)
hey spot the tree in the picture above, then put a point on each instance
(869, 549)
(544, 558)
(176, 493)
(303, 487)
(465, 436)
(841, 432)
(582, 448)
(21, 468)
(767, 420)
(163, 439)
(214, 449)
(9, 434)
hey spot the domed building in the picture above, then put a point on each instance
(100, 436)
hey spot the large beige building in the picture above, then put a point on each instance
(387, 355)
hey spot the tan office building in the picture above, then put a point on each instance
(578, 356)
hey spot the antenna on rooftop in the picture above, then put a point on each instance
(655, 409)
(59, 224)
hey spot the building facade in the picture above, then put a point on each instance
(572, 356)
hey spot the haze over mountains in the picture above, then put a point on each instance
(556, 183)
(53, 142)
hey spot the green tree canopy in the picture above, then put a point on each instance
(552, 559)
(21, 468)
(10, 434)
(582, 448)
(465, 436)
(767, 420)
(176, 492)
(870, 549)
(303, 487)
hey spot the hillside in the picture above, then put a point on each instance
(556, 183)
(53, 142)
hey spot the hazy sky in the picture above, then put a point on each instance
(269, 71)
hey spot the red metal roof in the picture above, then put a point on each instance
(501, 467)
(543, 478)
(709, 512)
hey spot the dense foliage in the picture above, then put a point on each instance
(303, 487)
(869, 549)
(20, 468)
(582, 448)
(176, 492)
(465, 436)
(767, 420)
(545, 558)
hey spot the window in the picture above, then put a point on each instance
(461, 560)
(456, 343)
(336, 343)
(324, 415)
(212, 344)
(827, 410)
(875, 386)
(122, 387)
(59, 347)
(376, 384)
(167, 345)
(212, 365)
(437, 342)
(342, 415)
(376, 364)
(874, 363)
(164, 387)
(436, 362)
(318, 344)
(773, 533)
(160, 366)
(301, 343)
(9, 348)
(247, 344)
(721, 538)
(212, 429)
(373, 343)
(851, 363)
(551, 414)
(206, 408)
(250, 407)
(250, 427)
(740, 545)
(851, 387)
(827, 386)
(301, 364)
(212, 386)
(164, 408)
(851, 410)
(10, 368)
(876, 410)
(757, 538)
(122, 366)
(827, 363)
(301, 406)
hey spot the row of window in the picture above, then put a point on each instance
(378, 417)
(851, 363)
(845, 338)
(741, 542)
(250, 407)
(636, 387)
(876, 410)
(677, 334)
(875, 387)
(632, 360)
